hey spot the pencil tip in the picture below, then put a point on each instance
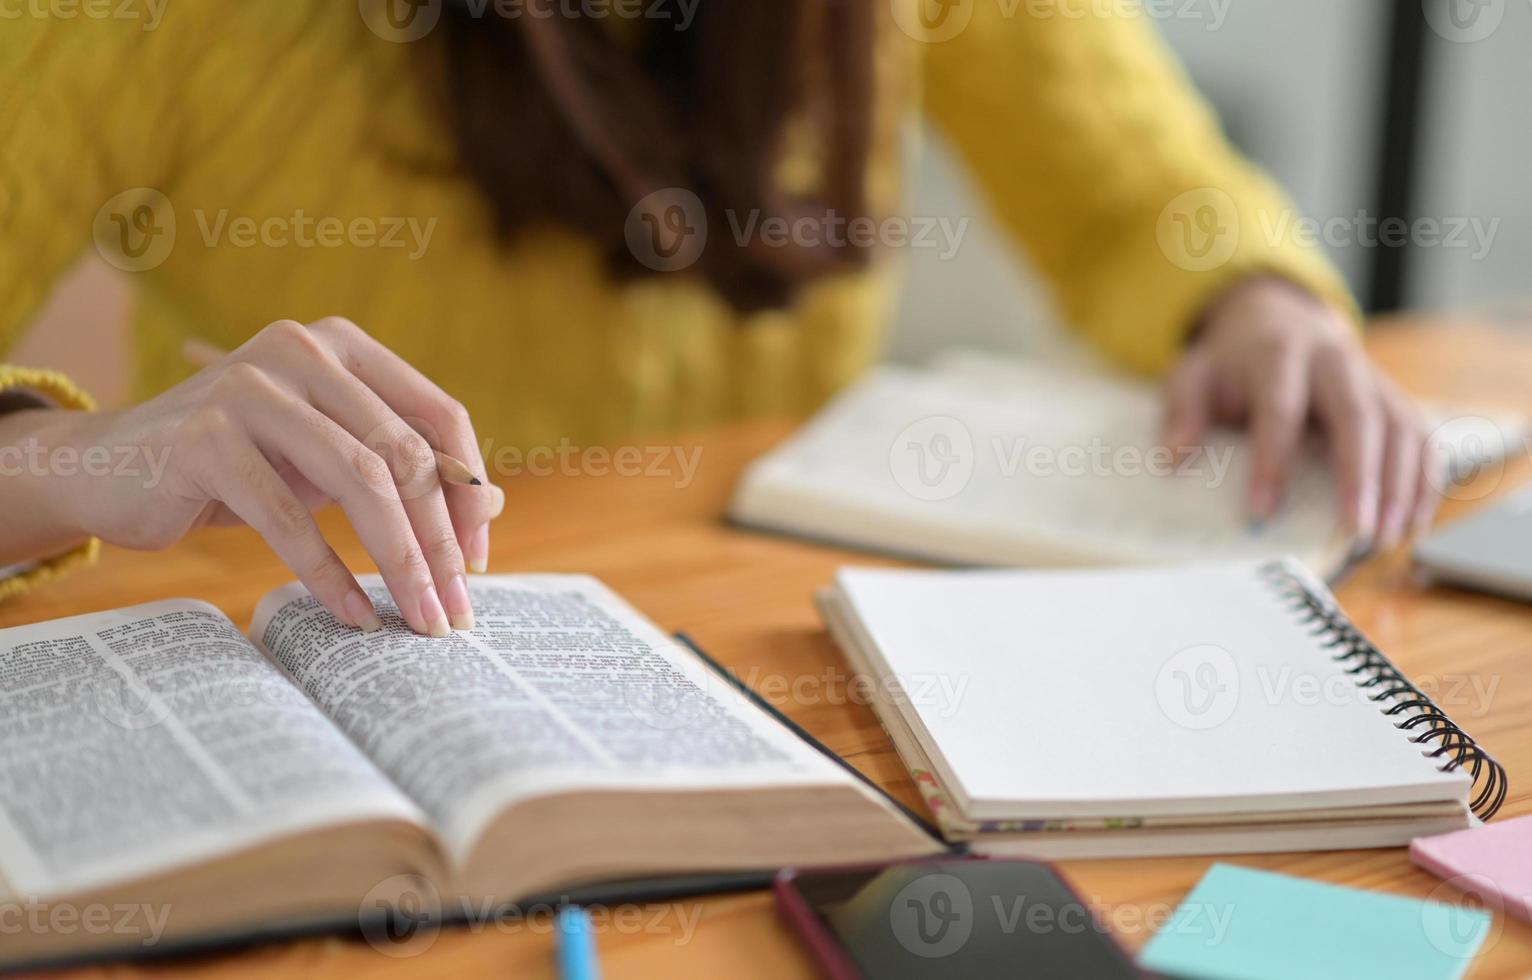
(474, 481)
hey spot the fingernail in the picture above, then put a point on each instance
(478, 550)
(459, 606)
(1263, 501)
(497, 501)
(1362, 521)
(1392, 527)
(431, 613)
(362, 614)
(1367, 518)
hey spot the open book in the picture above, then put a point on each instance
(1195, 709)
(155, 757)
(980, 460)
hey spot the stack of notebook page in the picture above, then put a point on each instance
(1195, 709)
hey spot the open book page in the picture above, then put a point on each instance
(981, 460)
(1043, 470)
(145, 738)
(562, 686)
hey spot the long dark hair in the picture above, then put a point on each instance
(558, 120)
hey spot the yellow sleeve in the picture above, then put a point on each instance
(88, 137)
(104, 116)
(60, 391)
(67, 92)
(1100, 157)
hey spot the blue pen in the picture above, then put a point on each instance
(577, 945)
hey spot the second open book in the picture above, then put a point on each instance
(983, 461)
(1198, 709)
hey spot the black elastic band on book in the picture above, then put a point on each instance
(1411, 711)
(819, 746)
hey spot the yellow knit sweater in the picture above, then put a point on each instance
(251, 162)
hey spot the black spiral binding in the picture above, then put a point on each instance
(1416, 713)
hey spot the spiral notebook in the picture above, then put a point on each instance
(1195, 709)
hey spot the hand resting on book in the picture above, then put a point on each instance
(1272, 356)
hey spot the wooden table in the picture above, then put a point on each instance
(746, 598)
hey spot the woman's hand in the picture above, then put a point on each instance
(297, 417)
(1274, 357)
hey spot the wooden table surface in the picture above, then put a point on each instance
(746, 598)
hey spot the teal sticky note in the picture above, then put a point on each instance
(1242, 924)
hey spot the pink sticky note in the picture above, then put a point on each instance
(1493, 861)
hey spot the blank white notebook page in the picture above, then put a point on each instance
(1132, 692)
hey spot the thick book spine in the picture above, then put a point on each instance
(1405, 705)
